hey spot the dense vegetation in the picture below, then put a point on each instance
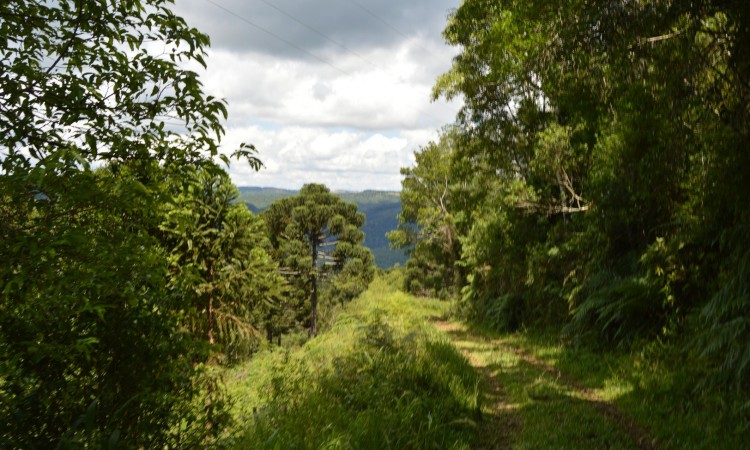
(382, 376)
(129, 271)
(540, 393)
(596, 179)
(593, 187)
(93, 349)
(316, 239)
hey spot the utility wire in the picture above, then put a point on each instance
(329, 39)
(386, 23)
(317, 58)
(320, 33)
(271, 33)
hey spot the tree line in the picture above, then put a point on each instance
(128, 268)
(596, 179)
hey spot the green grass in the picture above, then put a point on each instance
(656, 385)
(653, 386)
(533, 409)
(381, 377)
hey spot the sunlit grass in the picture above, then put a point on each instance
(541, 411)
(384, 377)
(652, 386)
(381, 377)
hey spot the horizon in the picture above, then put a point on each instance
(332, 190)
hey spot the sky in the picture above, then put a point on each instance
(329, 91)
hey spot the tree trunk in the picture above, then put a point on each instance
(314, 289)
(211, 338)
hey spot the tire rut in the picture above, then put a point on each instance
(639, 434)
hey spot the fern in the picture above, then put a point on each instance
(617, 310)
(725, 337)
(505, 313)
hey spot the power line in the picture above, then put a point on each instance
(386, 23)
(383, 21)
(320, 33)
(329, 39)
(317, 58)
(271, 33)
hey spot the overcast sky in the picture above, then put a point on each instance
(333, 91)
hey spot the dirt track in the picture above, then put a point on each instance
(497, 430)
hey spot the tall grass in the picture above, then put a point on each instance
(380, 378)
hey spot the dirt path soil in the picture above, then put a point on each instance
(496, 429)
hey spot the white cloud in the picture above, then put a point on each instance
(345, 160)
(351, 123)
(260, 88)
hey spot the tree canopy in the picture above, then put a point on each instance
(218, 255)
(316, 234)
(93, 345)
(597, 173)
(428, 225)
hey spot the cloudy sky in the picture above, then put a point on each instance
(329, 91)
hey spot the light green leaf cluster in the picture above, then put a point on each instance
(219, 258)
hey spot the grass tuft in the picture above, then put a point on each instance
(382, 377)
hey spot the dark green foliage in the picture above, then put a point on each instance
(94, 351)
(617, 310)
(90, 338)
(725, 319)
(219, 261)
(428, 224)
(316, 239)
(424, 279)
(73, 93)
(505, 313)
(596, 176)
(380, 207)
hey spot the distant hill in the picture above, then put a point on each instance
(259, 198)
(381, 209)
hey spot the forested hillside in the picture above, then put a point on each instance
(381, 209)
(596, 180)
